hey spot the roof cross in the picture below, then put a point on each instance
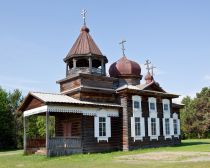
(83, 13)
(148, 62)
(123, 47)
(152, 68)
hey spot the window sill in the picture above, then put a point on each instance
(176, 136)
(167, 137)
(154, 137)
(137, 138)
(102, 139)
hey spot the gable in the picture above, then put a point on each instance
(154, 86)
(30, 102)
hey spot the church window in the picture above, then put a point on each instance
(137, 121)
(137, 126)
(175, 127)
(167, 126)
(136, 105)
(165, 107)
(102, 126)
(152, 104)
(153, 126)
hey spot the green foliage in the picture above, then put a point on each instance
(37, 126)
(195, 117)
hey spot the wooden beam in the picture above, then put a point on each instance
(24, 136)
(47, 132)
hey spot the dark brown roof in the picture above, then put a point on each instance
(84, 45)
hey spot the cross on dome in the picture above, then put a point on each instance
(148, 62)
(123, 47)
(83, 13)
(152, 69)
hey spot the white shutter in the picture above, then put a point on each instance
(149, 126)
(158, 127)
(171, 126)
(96, 126)
(108, 126)
(178, 126)
(132, 127)
(164, 127)
(142, 127)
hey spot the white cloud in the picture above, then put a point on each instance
(179, 99)
(207, 77)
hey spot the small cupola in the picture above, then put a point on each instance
(85, 56)
(149, 76)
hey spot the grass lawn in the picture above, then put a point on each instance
(198, 155)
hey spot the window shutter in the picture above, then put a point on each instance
(178, 126)
(164, 127)
(158, 127)
(132, 127)
(108, 126)
(96, 126)
(171, 126)
(142, 127)
(149, 126)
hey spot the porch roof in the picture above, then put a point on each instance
(55, 98)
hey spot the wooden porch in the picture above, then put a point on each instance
(57, 146)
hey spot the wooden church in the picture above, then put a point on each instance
(96, 112)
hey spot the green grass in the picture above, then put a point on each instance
(17, 159)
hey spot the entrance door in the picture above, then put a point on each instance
(67, 129)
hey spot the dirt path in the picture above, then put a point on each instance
(167, 157)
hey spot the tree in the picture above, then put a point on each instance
(195, 117)
(7, 134)
(14, 99)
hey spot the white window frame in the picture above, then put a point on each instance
(175, 117)
(137, 112)
(167, 102)
(167, 115)
(102, 113)
(152, 100)
(153, 114)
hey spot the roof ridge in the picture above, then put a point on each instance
(46, 93)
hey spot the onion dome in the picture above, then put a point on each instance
(125, 67)
(148, 78)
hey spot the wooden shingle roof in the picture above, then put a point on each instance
(84, 45)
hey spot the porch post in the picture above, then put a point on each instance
(47, 132)
(102, 67)
(24, 136)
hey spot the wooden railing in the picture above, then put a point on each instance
(60, 142)
(36, 142)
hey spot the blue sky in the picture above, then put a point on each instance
(35, 36)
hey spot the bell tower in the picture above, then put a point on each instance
(86, 70)
(85, 56)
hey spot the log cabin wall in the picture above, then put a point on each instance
(75, 119)
(145, 113)
(69, 84)
(98, 97)
(90, 143)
